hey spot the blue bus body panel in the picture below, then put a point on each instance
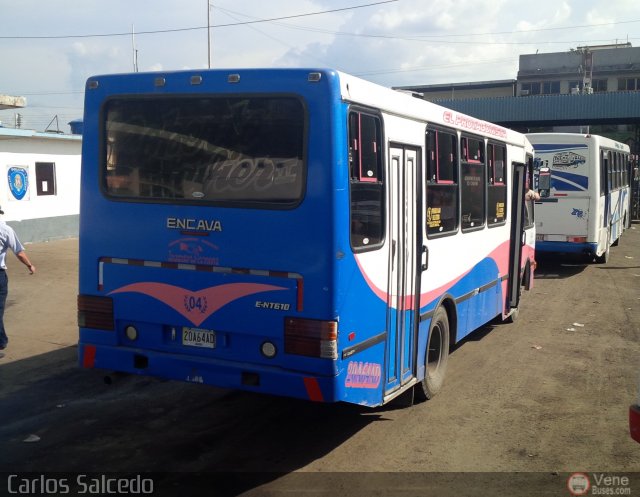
(566, 247)
(274, 263)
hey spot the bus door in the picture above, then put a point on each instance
(517, 234)
(403, 282)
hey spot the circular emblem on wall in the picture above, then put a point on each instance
(18, 181)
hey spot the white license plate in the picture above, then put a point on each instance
(196, 337)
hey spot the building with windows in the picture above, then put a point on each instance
(40, 192)
(589, 69)
(584, 70)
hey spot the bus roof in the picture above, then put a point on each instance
(358, 90)
(576, 138)
(350, 88)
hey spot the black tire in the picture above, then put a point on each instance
(526, 278)
(604, 258)
(436, 357)
(513, 316)
(526, 282)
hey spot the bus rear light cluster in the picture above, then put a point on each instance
(95, 312)
(311, 337)
(577, 239)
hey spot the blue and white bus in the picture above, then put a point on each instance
(293, 232)
(588, 205)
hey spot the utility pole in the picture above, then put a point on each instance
(587, 57)
(133, 47)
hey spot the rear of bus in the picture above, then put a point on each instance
(564, 218)
(208, 224)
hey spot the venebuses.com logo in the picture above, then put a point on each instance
(598, 484)
(578, 484)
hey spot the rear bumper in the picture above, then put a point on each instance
(213, 372)
(566, 247)
(634, 422)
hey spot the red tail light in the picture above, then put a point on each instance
(634, 422)
(95, 312)
(311, 337)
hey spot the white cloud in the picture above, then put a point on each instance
(408, 42)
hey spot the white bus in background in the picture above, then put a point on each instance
(586, 206)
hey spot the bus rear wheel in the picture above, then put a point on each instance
(436, 357)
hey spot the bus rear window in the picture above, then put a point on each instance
(228, 150)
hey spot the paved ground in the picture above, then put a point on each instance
(41, 308)
(524, 405)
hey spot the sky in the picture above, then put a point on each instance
(49, 49)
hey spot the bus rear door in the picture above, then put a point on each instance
(517, 235)
(403, 283)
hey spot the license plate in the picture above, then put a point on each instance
(196, 337)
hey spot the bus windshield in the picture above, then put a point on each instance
(221, 150)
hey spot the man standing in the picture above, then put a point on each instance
(8, 240)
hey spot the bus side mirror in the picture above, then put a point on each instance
(544, 182)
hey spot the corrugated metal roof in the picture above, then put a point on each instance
(549, 110)
(7, 133)
(473, 85)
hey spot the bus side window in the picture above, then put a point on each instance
(603, 173)
(619, 169)
(442, 182)
(626, 170)
(366, 188)
(496, 184)
(609, 172)
(472, 184)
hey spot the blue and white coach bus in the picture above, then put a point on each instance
(293, 232)
(588, 205)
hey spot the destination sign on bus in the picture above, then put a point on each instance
(472, 124)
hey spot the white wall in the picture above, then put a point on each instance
(41, 217)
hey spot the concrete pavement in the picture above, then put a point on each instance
(40, 316)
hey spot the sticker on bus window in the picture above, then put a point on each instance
(434, 217)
